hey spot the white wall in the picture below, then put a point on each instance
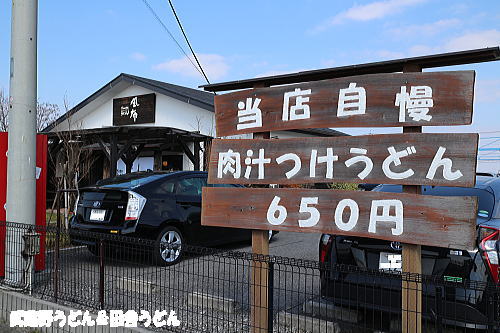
(170, 112)
(140, 164)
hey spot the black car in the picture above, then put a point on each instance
(161, 206)
(379, 292)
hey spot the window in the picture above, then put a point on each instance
(190, 186)
(166, 187)
(223, 185)
(130, 180)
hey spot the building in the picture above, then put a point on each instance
(134, 124)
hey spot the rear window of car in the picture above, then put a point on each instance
(486, 200)
(130, 182)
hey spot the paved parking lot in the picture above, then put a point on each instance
(288, 244)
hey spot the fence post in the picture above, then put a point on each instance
(439, 310)
(270, 296)
(56, 259)
(491, 314)
(101, 273)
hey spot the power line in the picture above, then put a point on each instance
(170, 34)
(187, 41)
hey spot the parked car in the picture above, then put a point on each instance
(161, 206)
(382, 292)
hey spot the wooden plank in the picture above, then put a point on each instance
(452, 97)
(461, 149)
(426, 220)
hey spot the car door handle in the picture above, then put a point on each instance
(183, 204)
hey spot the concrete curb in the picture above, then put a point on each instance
(10, 301)
(305, 324)
(136, 285)
(219, 303)
(329, 311)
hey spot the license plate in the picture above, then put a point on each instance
(390, 262)
(97, 214)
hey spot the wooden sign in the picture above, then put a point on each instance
(406, 218)
(132, 110)
(447, 159)
(374, 100)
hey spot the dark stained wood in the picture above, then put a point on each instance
(452, 94)
(428, 220)
(411, 300)
(144, 110)
(460, 148)
(259, 283)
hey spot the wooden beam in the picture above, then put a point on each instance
(259, 300)
(126, 147)
(186, 150)
(103, 146)
(411, 292)
(130, 157)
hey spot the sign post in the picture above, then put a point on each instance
(412, 159)
(259, 285)
(412, 258)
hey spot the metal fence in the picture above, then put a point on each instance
(210, 289)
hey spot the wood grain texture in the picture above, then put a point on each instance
(460, 148)
(411, 296)
(452, 93)
(428, 220)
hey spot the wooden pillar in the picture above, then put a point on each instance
(206, 154)
(128, 166)
(158, 156)
(196, 153)
(105, 167)
(113, 155)
(259, 284)
(412, 257)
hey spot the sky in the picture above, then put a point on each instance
(82, 45)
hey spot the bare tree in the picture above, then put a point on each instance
(4, 112)
(46, 113)
(74, 158)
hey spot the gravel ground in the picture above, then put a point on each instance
(167, 288)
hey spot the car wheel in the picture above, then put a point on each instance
(169, 246)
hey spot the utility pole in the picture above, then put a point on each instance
(21, 164)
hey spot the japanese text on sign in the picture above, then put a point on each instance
(401, 99)
(406, 218)
(431, 159)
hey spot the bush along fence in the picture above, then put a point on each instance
(210, 289)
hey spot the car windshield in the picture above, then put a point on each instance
(486, 200)
(129, 181)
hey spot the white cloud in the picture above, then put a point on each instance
(474, 40)
(214, 65)
(368, 12)
(137, 56)
(467, 41)
(487, 91)
(425, 29)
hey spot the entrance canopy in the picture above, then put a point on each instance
(126, 143)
